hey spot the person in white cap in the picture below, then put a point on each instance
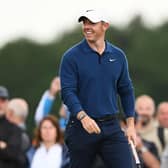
(93, 73)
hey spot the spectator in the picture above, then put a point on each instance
(146, 124)
(147, 150)
(11, 155)
(145, 108)
(46, 103)
(164, 158)
(162, 116)
(49, 145)
(148, 153)
(17, 114)
(150, 128)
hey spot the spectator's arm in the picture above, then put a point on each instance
(149, 159)
(147, 156)
(44, 106)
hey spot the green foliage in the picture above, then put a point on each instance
(27, 68)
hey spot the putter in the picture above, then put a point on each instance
(137, 161)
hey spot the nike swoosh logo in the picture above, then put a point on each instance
(112, 60)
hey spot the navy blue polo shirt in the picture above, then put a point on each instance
(92, 82)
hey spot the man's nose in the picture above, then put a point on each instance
(86, 25)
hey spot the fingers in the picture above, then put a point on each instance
(96, 128)
(90, 125)
(132, 139)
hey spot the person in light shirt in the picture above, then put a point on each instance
(49, 144)
(149, 127)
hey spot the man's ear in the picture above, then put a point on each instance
(106, 25)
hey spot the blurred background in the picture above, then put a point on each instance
(35, 33)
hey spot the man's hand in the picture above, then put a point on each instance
(89, 124)
(130, 131)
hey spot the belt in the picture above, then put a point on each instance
(106, 118)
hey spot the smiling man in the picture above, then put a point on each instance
(93, 73)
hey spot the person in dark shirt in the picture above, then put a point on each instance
(17, 112)
(11, 155)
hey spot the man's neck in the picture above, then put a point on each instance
(98, 46)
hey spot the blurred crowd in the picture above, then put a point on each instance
(48, 149)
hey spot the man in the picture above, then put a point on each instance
(147, 126)
(11, 155)
(17, 112)
(162, 116)
(92, 73)
(162, 129)
(148, 153)
(145, 109)
(146, 150)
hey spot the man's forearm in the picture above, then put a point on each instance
(130, 122)
(130, 132)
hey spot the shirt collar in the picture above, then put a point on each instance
(87, 48)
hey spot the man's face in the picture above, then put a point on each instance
(93, 31)
(144, 109)
(162, 115)
(3, 104)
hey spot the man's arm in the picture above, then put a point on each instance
(130, 131)
(69, 82)
(69, 89)
(125, 90)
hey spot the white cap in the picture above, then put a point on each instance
(94, 16)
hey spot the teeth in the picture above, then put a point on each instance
(88, 32)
